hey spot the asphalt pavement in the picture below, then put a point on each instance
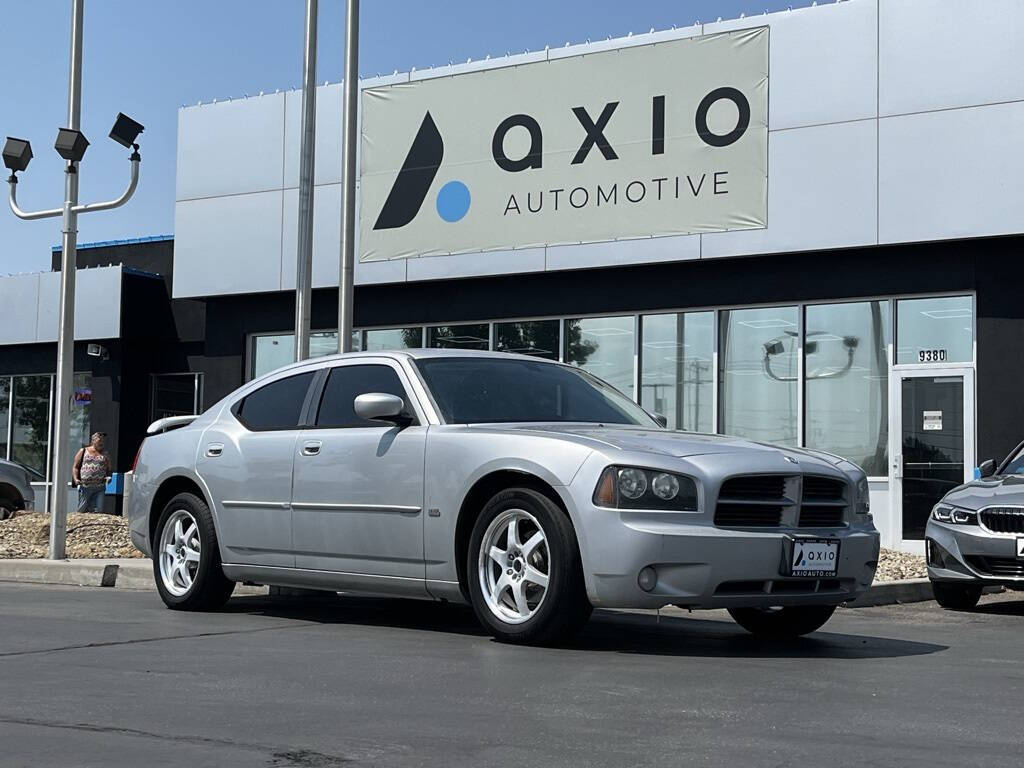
(103, 677)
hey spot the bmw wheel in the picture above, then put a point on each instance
(788, 621)
(186, 562)
(524, 570)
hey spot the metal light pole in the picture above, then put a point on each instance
(348, 189)
(58, 499)
(304, 260)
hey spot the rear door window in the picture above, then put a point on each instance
(345, 384)
(275, 406)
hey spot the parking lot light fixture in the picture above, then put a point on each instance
(71, 144)
(17, 153)
(126, 130)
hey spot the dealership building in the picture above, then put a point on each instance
(849, 289)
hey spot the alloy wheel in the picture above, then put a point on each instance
(180, 549)
(514, 566)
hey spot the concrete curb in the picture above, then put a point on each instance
(122, 573)
(893, 592)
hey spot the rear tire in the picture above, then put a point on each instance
(186, 560)
(956, 597)
(524, 570)
(787, 622)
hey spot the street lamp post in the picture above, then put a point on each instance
(304, 260)
(348, 190)
(71, 145)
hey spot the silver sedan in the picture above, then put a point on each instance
(529, 489)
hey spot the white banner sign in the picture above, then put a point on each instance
(660, 139)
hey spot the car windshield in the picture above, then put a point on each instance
(488, 389)
(1015, 466)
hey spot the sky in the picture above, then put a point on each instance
(148, 58)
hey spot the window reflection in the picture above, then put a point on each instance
(394, 338)
(472, 336)
(530, 337)
(31, 421)
(5, 410)
(937, 330)
(758, 373)
(847, 382)
(604, 346)
(676, 380)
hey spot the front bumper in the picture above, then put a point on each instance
(701, 566)
(972, 554)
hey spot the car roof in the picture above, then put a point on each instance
(413, 354)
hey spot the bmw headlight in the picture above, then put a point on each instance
(637, 488)
(945, 513)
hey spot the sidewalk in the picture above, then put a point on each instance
(137, 573)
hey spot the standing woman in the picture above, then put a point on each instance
(90, 472)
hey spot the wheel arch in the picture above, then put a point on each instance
(169, 488)
(480, 493)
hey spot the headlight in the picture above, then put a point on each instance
(862, 497)
(944, 513)
(636, 488)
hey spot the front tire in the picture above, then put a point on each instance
(956, 597)
(186, 560)
(787, 622)
(524, 570)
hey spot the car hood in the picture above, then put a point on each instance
(1003, 489)
(664, 442)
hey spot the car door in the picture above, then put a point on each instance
(246, 460)
(357, 488)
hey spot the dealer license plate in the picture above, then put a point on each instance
(1020, 546)
(814, 557)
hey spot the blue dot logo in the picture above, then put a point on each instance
(453, 201)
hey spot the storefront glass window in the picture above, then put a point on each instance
(758, 373)
(81, 412)
(938, 330)
(5, 412)
(394, 338)
(676, 380)
(530, 337)
(474, 336)
(847, 382)
(604, 346)
(31, 421)
(271, 351)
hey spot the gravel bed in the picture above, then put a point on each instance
(894, 566)
(89, 535)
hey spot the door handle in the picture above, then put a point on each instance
(311, 447)
(213, 450)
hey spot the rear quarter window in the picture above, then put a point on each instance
(277, 405)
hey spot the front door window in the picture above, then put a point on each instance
(933, 445)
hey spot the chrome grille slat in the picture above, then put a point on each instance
(1003, 519)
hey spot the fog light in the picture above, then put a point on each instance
(648, 578)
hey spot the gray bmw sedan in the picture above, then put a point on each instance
(527, 488)
(975, 534)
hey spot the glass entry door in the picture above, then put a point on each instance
(936, 412)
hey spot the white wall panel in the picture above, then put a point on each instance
(231, 147)
(955, 173)
(327, 157)
(326, 236)
(822, 62)
(19, 297)
(97, 304)
(821, 193)
(371, 272)
(476, 264)
(936, 54)
(647, 250)
(228, 245)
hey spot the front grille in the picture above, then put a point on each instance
(751, 501)
(823, 504)
(1006, 567)
(1003, 519)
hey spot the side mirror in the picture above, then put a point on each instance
(987, 468)
(377, 406)
(662, 420)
